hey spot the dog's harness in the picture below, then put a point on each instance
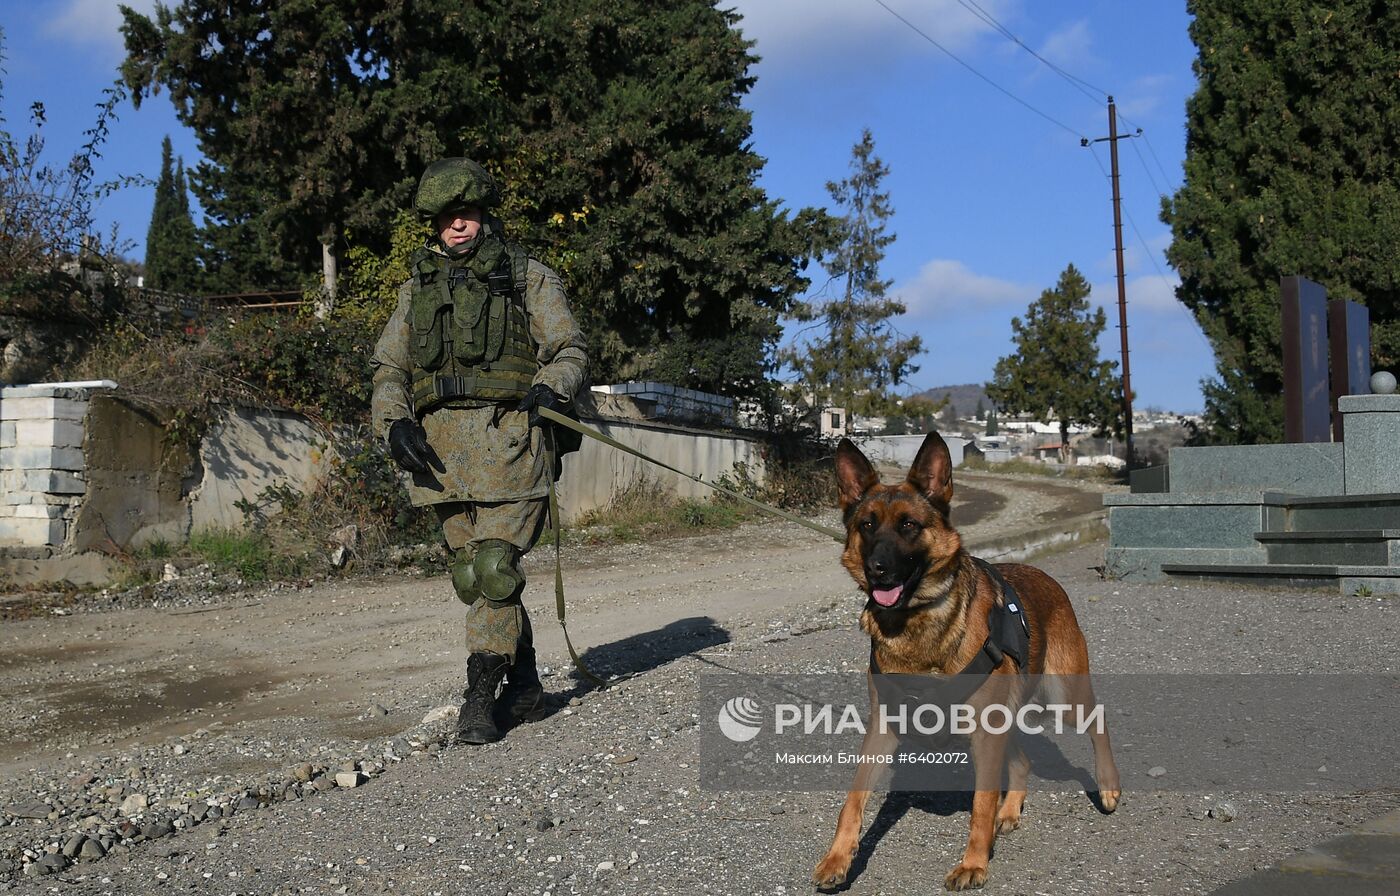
(1008, 632)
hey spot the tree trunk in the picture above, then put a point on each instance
(326, 303)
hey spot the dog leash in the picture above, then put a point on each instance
(559, 593)
(556, 417)
(555, 523)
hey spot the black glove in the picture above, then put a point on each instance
(408, 446)
(541, 396)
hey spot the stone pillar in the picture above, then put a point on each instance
(41, 461)
(1371, 452)
(1307, 415)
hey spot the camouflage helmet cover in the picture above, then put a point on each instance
(454, 183)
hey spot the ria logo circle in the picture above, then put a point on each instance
(740, 719)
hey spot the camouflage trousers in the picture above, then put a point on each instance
(494, 626)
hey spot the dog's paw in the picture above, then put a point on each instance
(831, 871)
(1108, 800)
(965, 877)
(1006, 822)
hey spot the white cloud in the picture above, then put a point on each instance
(1069, 47)
(1153, 293)
(833, 35)
(944, 285)
(1144, 96)
(92, 21)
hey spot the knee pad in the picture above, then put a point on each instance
(487, 570)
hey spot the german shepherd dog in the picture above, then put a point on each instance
(927, 613)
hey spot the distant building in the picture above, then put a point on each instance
(901, 450)
(1101, 460)
(834, 422)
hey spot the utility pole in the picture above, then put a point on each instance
(1112, 140)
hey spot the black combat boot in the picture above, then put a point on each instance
(522, 699)
(474, 722)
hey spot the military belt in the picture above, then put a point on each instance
(511, 378)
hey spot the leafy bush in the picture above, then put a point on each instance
(315, 367)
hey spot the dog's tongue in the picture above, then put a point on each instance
(886, 597)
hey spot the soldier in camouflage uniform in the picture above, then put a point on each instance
(481, 337)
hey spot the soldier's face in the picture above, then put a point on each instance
(458, 225)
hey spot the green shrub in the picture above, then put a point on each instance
(319, 368)
(254, 555)
(647, 510)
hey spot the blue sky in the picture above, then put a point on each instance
(992, 200)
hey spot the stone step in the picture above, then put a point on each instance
(1145, 564)
(1342, 512)
(1349, 579)
(1355, 547)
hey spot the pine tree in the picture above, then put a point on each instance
(1291, 168)
(1055, 372)
(171, 240)
(860, 357)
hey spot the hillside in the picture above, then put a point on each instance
(964, 397)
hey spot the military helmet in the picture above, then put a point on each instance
(453, 183)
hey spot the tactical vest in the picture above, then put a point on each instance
(470, 333)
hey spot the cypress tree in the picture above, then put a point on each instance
(171, 241)
(1292, 167)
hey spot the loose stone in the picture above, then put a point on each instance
(134, 804)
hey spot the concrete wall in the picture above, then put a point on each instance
(597, 472)
(87, 476)
(42, 466)
(136, 479)
(245, 453)
(251, 450)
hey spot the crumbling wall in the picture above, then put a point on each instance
(137, 479)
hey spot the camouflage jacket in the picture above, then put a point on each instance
(487, 449)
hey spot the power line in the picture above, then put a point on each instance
(1094, 93)
(1166, 178)
(1152, 257)
(1150, 176)
(959, 61)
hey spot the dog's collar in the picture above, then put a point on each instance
(1008, 631)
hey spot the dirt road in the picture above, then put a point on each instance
(199, 748)
(95, 681)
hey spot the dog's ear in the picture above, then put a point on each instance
(932, 472)
(854, 474)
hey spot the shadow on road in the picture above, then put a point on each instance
(641, 653)
(1048, 763)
